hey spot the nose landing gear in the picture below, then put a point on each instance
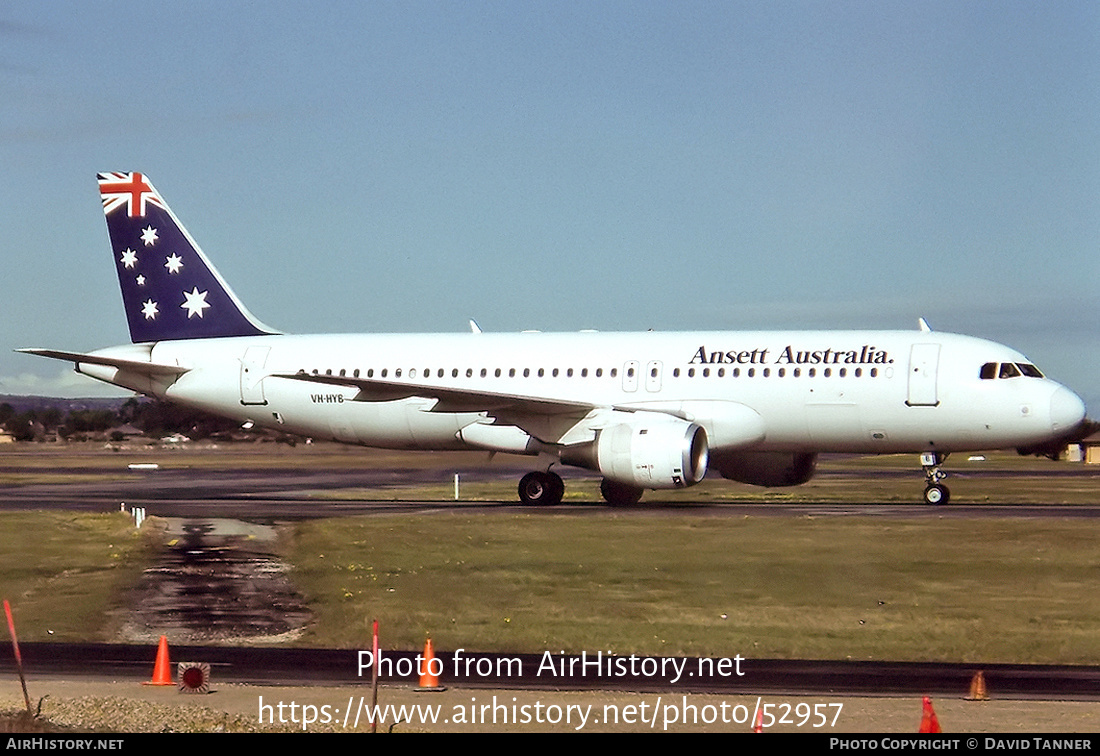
(935, 492)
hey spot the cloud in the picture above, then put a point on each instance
(64, 383)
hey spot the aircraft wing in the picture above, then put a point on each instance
(450, 399)
(134, 366)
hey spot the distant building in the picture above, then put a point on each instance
(1087, 450)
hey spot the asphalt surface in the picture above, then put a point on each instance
(273, 494)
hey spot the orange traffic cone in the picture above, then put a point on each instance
(977, 688)
(758, 724)
(162, 670)
(429, 681)
(928, 721)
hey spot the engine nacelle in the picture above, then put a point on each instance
(652, 450)
(767, 468)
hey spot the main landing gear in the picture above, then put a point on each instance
(541, 489)
(620, 494)
(545, 489)
(935, 492)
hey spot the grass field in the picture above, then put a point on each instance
(988, 590)
(66, 574)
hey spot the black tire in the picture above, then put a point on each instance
(937, 495)
(557, 488)
(540, 489)
(620, 494)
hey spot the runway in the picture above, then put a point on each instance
(340, 487)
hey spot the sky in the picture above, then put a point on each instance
(406, 166)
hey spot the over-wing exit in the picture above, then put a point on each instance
(644, 410)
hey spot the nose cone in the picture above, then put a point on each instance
(1066, 409)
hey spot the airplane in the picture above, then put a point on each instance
(644, 410)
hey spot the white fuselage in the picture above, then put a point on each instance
(813, 391)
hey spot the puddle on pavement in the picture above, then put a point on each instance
(218, 581)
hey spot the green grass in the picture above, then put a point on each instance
(67, 572)
(984, 590)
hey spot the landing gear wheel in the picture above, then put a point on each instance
(557, 488)
(937, 494)
(541, 489)
(620, 494)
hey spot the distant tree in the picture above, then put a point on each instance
(162, 418)
(50, 417)
(91, 421)
(130, 410)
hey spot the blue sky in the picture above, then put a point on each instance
(369, 166)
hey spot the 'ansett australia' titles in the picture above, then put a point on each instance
(867, 354)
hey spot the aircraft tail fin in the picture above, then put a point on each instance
(169, 288)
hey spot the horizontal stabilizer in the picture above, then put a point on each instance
(133, 366)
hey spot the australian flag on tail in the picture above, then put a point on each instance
(169, 288)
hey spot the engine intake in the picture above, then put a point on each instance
(650, 451)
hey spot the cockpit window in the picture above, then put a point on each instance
(1008, 370)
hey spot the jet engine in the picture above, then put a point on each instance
(767, 468)
(652, 450)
